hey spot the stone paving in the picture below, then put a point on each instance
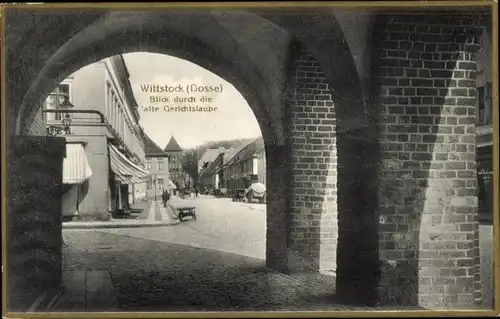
(141, 209)
(149, 213)
(155, 276)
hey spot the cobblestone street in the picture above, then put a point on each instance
(149, 275)
(213, 263)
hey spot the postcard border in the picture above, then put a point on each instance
(366, 5)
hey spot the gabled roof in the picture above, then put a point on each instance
(213, 166)
(243, 150)
(172, 146)
(248, 150)
(228, 154)
(208, 156)
(220, 159)
(151, 149)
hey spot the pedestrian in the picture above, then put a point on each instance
(165, 197)
(196, 190)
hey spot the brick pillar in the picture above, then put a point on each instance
(278, 185)
(357, 253)
(34, 188)
(427, 185)
(313, 200)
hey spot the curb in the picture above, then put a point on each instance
(107, 225)
(170, 213)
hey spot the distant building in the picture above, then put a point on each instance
(104, 167)
(157, 164)
(247, 166)
(208, 157)
(187, 180)
(175, 154)
(212, 176)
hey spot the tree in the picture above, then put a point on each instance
(190, 164)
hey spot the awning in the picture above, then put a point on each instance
(171, 184)
(76, 168)
(125, 170)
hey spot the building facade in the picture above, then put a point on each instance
(175, 154)
(212, 174)
(157, 164)
(208, 157)
(105, 172)
(204, 178)
(247, 166)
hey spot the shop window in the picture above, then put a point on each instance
(485, 183)
(484, 100)
(485, 195)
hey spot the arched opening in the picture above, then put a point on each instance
(400, 153)
(221, 224)
(292, 240)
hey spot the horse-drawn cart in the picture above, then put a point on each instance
(186, 210)
(256, 191)
(220, 192)
(239, 195)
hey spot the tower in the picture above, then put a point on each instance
(174, 150)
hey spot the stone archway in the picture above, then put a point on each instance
(120, 32)
(263, 79)
(402, 134)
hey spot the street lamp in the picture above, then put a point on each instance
(54, 130)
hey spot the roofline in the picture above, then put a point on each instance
(129, 88)
(180, 149)
(254, 142)
(156, 155)
(213, 164)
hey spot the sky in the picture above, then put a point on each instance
(232, 119)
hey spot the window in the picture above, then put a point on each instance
(484, 181)
(160, 183)
(116, 112)
(112, 110)
(148, 164)
(484, 113)
(55, 99)
(485, 185)
(121, 122)
(255, 165)
(160, 164)
(107, 106)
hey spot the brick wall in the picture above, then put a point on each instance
(34, 251)
(428, 240)
(313, 205)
